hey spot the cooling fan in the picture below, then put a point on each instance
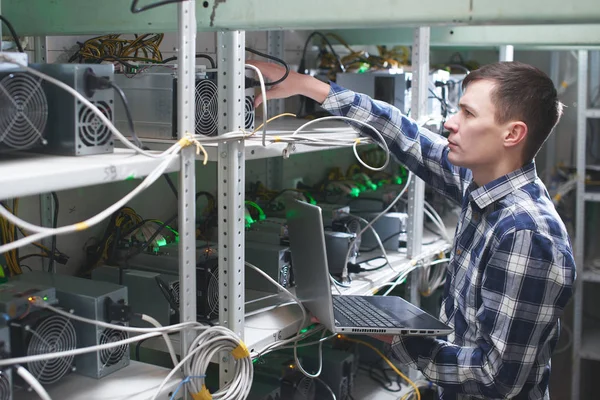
(5, 375)
(23, 111)
(42, 332)
(207, 107)
(249, 113)
(110, 357)
(91, 131)
(296, 386)
(5, 386)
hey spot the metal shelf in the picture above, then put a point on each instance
(255, 150)
(591, 196)
(25, 174)
(138, 381)
(43, 17)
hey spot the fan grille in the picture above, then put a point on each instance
(213, 292)
(305, 389)
(174, 287)
(23, 110)
(207, 108)
(51, 334)
(92, 131)
(4, 386)
(112, 356)
(249, 112)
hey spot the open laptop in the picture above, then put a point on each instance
(345, 314)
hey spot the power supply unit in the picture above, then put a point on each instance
(97, 301)
(337, 245)
(152, 94)
(274, 260)
(6, 387)
(73, 128)
(265, 387)
(24, 107)
(16, 295)
(390, 227)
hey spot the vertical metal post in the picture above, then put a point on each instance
(274, 165)
(416, 191)
(186, 119)
(40, 48)
(551, 141)
(46, 219)
(507, 53)
(231, 183)
(582, 103)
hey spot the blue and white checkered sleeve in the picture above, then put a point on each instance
(421, 151)
(525, 287)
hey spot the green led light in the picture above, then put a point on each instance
(45, 298)
(130, 177)
(249, 221)
(304, 330)
(398, 181)
(161, 242)
(355, 192)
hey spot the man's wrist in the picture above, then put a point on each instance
(315, 89)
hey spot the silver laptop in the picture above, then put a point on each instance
(345, 314)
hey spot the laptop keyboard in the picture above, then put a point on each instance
(362, 313)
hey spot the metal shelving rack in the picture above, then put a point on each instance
(63, 17)
(586, 341)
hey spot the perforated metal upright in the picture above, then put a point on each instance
(231, 183)
(187, 177)
(416, 190)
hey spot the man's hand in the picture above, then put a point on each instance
(294, 84)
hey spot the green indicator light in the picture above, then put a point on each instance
(45, 298)
(355, 192)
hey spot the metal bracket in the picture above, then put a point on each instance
(231, 183)
(507, 53)
(40, 48)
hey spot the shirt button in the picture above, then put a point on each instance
(458, 252)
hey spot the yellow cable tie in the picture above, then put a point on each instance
(276, 139)
(185, 142)
(357, 141)
(81, 226)
(203, 394)
(564, 84)
(240, 352)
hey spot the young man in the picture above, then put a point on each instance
(512, 267)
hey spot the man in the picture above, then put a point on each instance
(512, 267)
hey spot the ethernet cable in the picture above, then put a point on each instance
(165, 336)
(33, 383)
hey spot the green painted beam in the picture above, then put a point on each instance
(50, 17)
(555, 36)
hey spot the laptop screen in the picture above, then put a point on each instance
(309, 260)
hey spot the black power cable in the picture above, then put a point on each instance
(270, 57)
(13, 33)
(121, 94)
(136, 10)
(198, 55)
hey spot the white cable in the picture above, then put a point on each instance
(382, 143)
(328, 388)
(264, 102)
(370, 224)
(165, 336)
(87, 103)
(33, 383)
(300, 327)
(46, 232)
(377, 239)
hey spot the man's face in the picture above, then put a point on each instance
(476, 140)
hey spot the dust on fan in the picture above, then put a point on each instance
(92, 131)
(23, 111)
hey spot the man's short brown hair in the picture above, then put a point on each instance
(522, 93)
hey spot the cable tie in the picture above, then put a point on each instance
(240, 352)
(203, 394)
(277, 139)
(357, 141)
(81, 226)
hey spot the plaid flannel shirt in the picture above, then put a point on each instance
(511, 271)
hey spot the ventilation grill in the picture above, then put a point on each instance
(23, 111)
(174, 288)
(207, 113)
(306, 389)
(4, 386)
(93, 132)
(357, 330)
(112, 356)
(249, 113)
(213, 292)
(50, 335)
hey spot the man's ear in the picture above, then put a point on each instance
(515, 134)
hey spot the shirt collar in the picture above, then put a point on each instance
(495, 190)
